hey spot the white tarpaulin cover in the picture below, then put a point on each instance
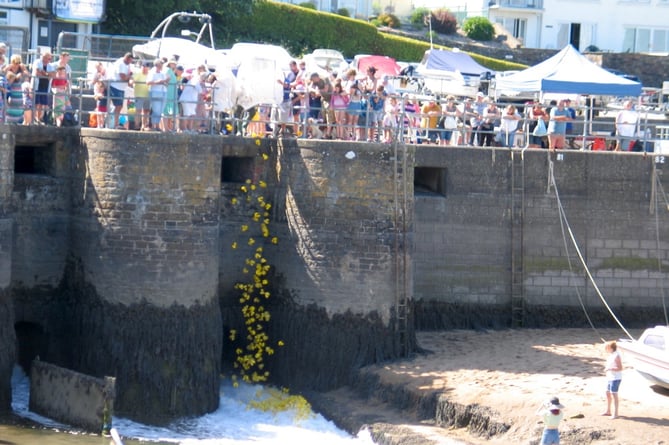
(190, 54)
(567, 72)
(257, 82)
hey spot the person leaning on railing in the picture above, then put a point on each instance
(14, 73)
(43, 72)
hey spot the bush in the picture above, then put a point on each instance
(417, 17)
(444, 22)
(479, 28)
(343, 12)
(389, 20)
(308, 5)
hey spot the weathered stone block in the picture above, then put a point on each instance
(72, 398)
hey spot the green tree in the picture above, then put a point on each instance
(479, 28)
(417, 18)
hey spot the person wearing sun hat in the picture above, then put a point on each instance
(551, 412)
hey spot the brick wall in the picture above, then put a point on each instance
(147, 228)
(463, 239)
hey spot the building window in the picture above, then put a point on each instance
(659, 40)
(637, 40)
(519, 29)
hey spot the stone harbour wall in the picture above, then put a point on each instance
(116, 252)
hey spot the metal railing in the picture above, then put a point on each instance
(299, 120)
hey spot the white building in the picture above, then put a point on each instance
(28, 24)
(609, 25)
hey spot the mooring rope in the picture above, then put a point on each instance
(658, 186)
(564, 224)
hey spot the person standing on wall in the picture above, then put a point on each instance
(510, 120)
(626, 126)
(121, 76)
(60, 88)
(557, 126)
(43, 71)
(569, 129)
(157, 82)
(141, 93)
(475, 121)
(282, 113)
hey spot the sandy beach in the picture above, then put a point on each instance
(510, 373)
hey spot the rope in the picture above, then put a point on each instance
(564, 223)
(657, 238)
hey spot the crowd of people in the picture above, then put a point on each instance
(28, 93)
(161, 95)
(367, 107)
(158, 95)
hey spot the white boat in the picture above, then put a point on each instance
(189, 47)
(325, 61)
(247, 73)
(649, 354)
(258, 67)
(451, 72)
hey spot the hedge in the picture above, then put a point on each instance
(301, 30)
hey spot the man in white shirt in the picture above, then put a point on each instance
(121, 76)
(626, 123)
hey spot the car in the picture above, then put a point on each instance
(625, 75)
(325, 61)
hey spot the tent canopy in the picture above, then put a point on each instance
(384, 65)
(444, 60)
(568, 72)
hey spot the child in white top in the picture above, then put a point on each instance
(552, 414)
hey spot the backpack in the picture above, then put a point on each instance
(69, 119)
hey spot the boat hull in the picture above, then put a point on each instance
(649, 355)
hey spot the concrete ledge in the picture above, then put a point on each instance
(70, 397)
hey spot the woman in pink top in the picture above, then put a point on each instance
(339, 103)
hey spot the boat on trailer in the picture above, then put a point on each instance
(650, 354)
(190, 47)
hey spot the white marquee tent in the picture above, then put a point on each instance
(567, 72)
